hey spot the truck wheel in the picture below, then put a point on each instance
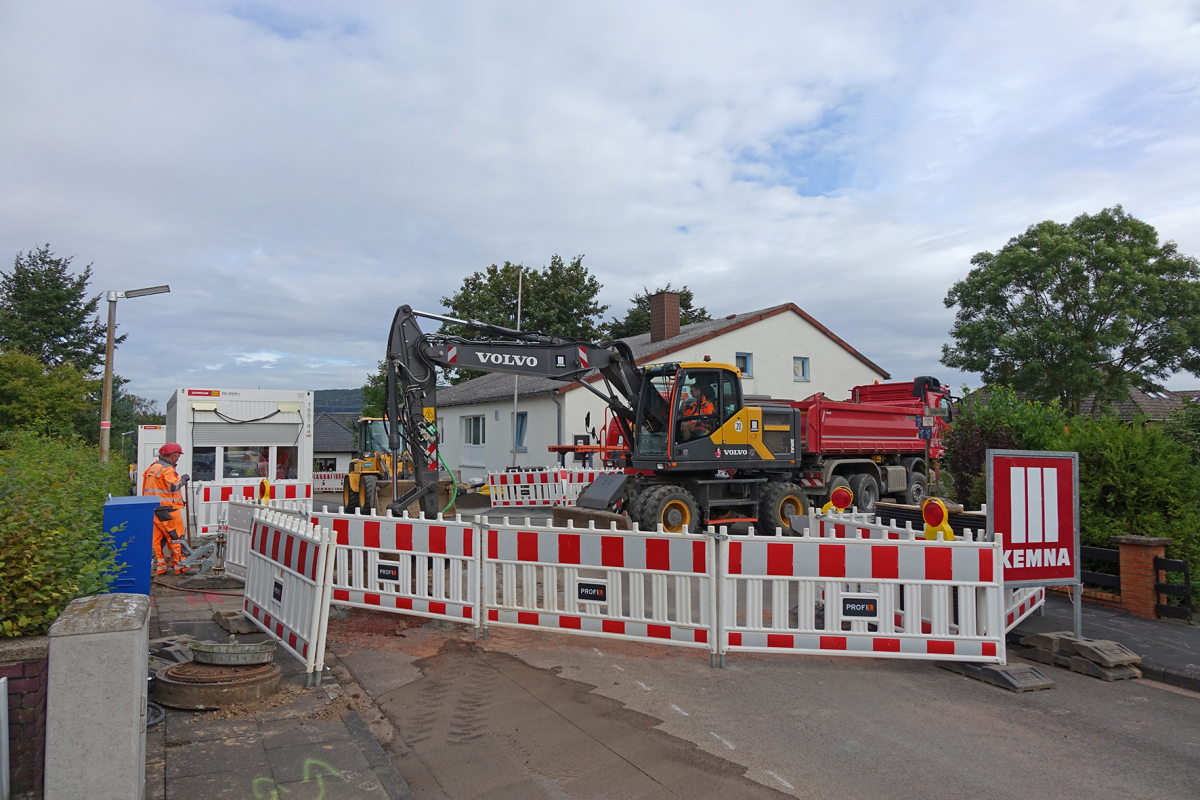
(866, 492)
(671, 506)
(915, 494)
(349, 496)
(779, 503)
(366, 494)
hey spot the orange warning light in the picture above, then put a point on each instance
(937, 519)
(841, 498)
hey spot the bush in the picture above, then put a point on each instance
(1135, 480)
(52, 544)
(998, 420)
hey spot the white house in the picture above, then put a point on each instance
(334, 441)
(782, 351)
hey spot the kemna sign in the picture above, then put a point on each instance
(1033, 502)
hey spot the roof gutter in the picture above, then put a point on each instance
(556, 396)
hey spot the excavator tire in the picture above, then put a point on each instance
(366, 494)
(349, 496)
(779, 502)
(673, 507)
(637, 508)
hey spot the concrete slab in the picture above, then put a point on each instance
(236, 784)
(278, 734)
(291, 764)
(214, 756)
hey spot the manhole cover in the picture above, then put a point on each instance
(193, 672)
(202, 686)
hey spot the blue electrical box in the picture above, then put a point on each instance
(137, 514)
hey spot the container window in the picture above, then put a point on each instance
(204, 464)
(246, 462)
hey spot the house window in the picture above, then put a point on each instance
(325, 464)
(204, 464)
(745, 363)
(522, 419)
(799, 368)
(473, 430)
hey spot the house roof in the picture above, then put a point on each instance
(1152, 405)
(497, 385)
(333, 432)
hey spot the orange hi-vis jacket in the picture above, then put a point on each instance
(162, 481)
(703, 408)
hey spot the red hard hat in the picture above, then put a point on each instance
(169, 448)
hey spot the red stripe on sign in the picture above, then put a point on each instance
(292, 640)
(658, 554)
(372, 600)
(780, 640)
(831, 559)
(886, 645)
(568, 548)
(779, 560)
(659, 631)
(943, 648)
(735, 558)
(527, 548)
(571, 622)
(939, 565)
(275, 546)
(314, 520)
(926, 627)
(833, 642)
(342, 528)
(341, 594)
(266, 620)
(226, 493)
(493, 545)
(304, 652)
(204, 497)
(468, 541)
(612, 551)
(735, 640)
(612, 626)
(467, 613)
(702, 636)
(404, 602)
(279, 630)
(302, 559)
(371, 534)
(437, 608)
(839, 531)
(289, 493)
(308, 490)
(527, 618)
(885, 562)
(493, 615)
(985, 566)
(989, 649)
(403, 536)
(437, 539)
(287, 553)
(698, 559)
(545, 477)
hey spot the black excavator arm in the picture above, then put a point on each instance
(413, 359)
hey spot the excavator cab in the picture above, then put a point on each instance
(684, 409)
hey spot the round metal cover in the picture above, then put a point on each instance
(193, 672)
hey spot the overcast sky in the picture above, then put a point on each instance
(295, 170)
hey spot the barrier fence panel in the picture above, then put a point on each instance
(575, 481)
(639, 585)
(541, 488)
(288, 574)
(850, 586)
(328, 481)
(239, 522)
(1021, 602)
(425, 567)
(208, 502)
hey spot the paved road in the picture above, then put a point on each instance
(804, 726)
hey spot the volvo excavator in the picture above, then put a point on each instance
(698, 453)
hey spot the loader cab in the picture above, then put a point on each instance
(372, 436)
(684, 403)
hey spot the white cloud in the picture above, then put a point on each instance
(297, 170)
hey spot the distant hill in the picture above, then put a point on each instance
(349, 400)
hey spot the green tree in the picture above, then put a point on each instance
(374, 392)
(558, 299)
(1070, 311)
(637, 318)
(45, 311)
(1183, 425)
(50, 400)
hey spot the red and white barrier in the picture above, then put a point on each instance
(550, 487)
(328, 481)
(208, 502)
(644, 586)
(288, 573)
(424, 567)
(575, 481)
(1022, 602)
(853, 587)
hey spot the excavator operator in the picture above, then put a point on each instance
(697, 405)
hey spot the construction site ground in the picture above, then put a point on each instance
(421, 707)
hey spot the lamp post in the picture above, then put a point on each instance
(106, 403)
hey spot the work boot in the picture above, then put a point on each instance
(161, 571)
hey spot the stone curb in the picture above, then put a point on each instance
(1170, 677)
(391, 780)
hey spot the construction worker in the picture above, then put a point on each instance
(696, 406)
(162, 481)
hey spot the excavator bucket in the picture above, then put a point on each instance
(383, 496)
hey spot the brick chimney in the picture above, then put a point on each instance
(664, 316)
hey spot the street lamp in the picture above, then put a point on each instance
(106, 403)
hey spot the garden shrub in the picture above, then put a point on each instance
(52, 544)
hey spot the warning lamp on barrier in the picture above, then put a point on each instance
(937, 518)
(264, 491)
(840, 498)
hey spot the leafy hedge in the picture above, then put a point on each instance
(52, 544)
